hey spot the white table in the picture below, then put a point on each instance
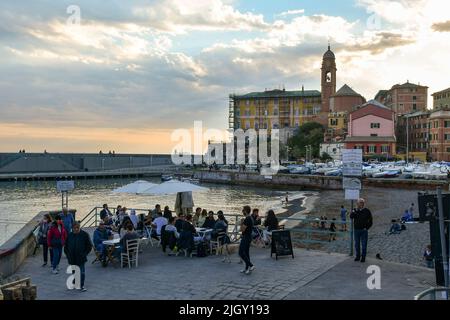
(202, 232)
(111, 242)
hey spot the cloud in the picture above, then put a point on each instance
(442, 26)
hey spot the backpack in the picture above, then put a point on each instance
(201, 250)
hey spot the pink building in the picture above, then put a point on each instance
(371, 128)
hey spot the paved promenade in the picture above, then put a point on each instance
(312, 274)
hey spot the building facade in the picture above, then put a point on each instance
(439, 135)
(404, 98)
(441, 99)
(333, 149)
(371, 128)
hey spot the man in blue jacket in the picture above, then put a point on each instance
(67, 219)
(101, 234)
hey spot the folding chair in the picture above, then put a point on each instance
(221, 242)
(132, 253)
(258, 238)
(98, 256)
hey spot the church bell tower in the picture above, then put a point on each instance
(328, 80)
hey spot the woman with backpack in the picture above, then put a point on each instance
(56, 238)
(44, 226)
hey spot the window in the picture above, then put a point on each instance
(328, 76)
(414, 98)
(447, 124)
(371, 149)
(247, 124)
(414, 106)
(375, 126)
(275, 111)
(286, 124)
(448, 149)
(275, 102)
(333, 122)
(265, 125)
(247, 102)
(374, 135)
(447, 136)
(385, 149)
(275, 126)
(247, 113)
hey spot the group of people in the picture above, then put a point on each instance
(62, 233)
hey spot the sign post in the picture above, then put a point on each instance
(64, 187)
(351, 180)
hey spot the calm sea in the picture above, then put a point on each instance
(21, 201)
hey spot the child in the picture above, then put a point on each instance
(332, 231)
(395, 227)
(428, 257)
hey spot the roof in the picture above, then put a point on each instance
(370, 139)
(346, 91)
(407, 85)
(372, 107)
(439, 92)
(415, 114)
(329, 54)
(279, 94)
(375, 103)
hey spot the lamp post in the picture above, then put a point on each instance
(407, 139)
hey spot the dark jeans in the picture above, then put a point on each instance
(82, 274)
(45, 250)
(361, 236)
(56, 256)
(244, 250)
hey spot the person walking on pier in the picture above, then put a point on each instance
(343, 219)
(362, 221)
(246, 239)
(78, 246)
(55, 240)
(67, 219)
(44, 226)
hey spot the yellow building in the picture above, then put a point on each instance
(274, 109)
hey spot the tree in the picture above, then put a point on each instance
(311, 133)
(325, 157)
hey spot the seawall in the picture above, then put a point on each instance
(14, 251)
(311, 182)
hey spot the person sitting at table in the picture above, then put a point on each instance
(167, 213)
(256, 218)
(156, 211)
(157, 225)
(109, 224)
(180, 222)
(189, 226)
(209, 222)
(101, 234)
(134, 218)
(271, 223)
(196, 216)
(169, 235)
(129, 235)
(203, 217)
(220, 227)
(186, 240)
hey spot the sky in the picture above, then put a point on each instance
(90, 75)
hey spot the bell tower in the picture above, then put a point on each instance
(328, 79)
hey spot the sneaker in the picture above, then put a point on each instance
(243, 271)
(248, 271)
(83, 289)
(252, 268)
(363, 259)
(55, 271)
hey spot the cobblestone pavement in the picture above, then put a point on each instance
(168, 277)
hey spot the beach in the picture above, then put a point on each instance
(385, 205)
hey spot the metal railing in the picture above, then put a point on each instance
(432, 293)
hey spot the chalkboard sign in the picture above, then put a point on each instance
(281, 244)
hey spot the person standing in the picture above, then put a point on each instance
(55, 240)
(78, 245)
(246, 239)
(44, 226)
(343, 219)
(411, 211)
(67, 219)
(362, 221)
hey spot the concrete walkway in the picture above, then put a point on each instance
(311, 274)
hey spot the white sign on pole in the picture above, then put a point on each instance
(351, 183)
(351, 194)
(352, 162)
(63, 186)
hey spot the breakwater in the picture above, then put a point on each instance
(311, 182)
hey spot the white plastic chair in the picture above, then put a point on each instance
(132, 254)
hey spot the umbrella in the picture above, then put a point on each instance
(135, 187)
(173, 187)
